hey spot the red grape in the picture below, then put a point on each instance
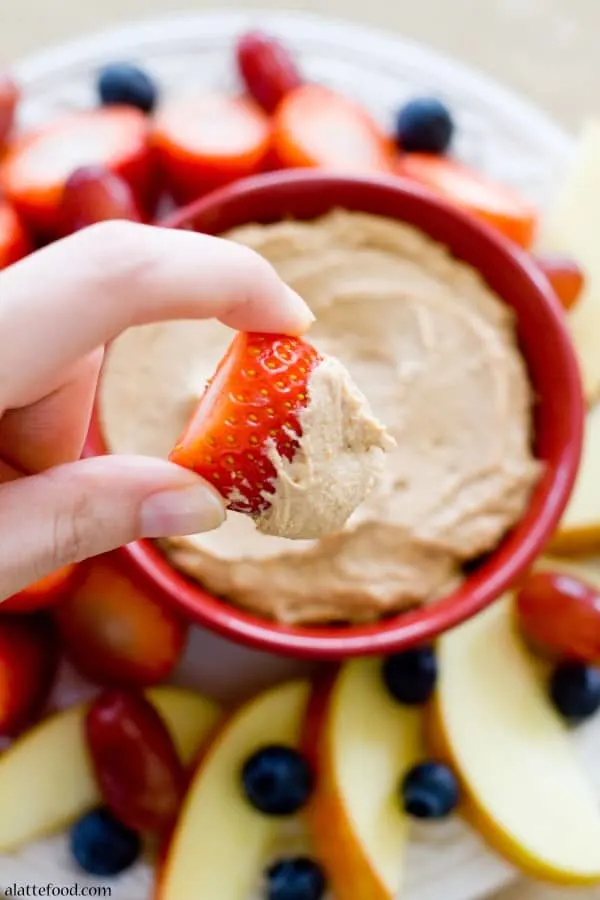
(139, 773)
(94, 194)
(267, 68)
(560, 613)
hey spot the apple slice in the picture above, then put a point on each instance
(578, 533)
(46, 779)
(524, 788)
(364, 742)
(572, 227)
(216, 817)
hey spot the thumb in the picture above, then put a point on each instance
(78, 510)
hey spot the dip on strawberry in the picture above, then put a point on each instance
(284, 434)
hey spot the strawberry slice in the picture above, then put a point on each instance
(315, 127)
(267, 68)
(28, 662)
(565, 277)
(95, 194)
(207, 140)
(43, 593)
(38, 165)
(252, 402)
(118, 632)
(484, 198)
(15, 242)
(9, 99)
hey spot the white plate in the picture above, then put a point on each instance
(497, 133)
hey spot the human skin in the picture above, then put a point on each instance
(58, 309)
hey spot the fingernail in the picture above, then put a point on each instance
(300, 309)
(185, 511)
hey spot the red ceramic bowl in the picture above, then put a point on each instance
(553, 371)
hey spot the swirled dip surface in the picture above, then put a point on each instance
(435, 353)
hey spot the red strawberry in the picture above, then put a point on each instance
(38, 165)
(565, 276)
(9, 98)
(481, 196)
(313, 126)
(15, 242)
(95, 194)
(267, 69)
(43, 593)
(28, 660)
(207, 140)
(254, 398)
(116, 632)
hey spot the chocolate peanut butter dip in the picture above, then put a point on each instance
(435, 353)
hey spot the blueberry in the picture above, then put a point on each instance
(410, 677)
(430, 791)
(297, 878)
(277, 780)
(103, 846)
(123, 83)
(424, 125)
(575, 691)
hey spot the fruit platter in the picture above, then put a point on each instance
(146, 756)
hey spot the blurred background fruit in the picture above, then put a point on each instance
(43, 593)
(136, 765)
(123, 84)
(15, 242)
(47, 780)
(267, 69)
(9, 99)
(116, 632)
(95, 194)
(37, 165)
(204, 140)
(28, 660)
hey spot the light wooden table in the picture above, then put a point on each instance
(546, 49)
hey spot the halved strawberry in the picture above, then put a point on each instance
(565, 276)
(9, 98)
(28, 661)
(43, 593)
(15, 242)
(475, 193)
(37, 166)
(204, 141)
(253, 402)
(117, 632)
(267, 68)
(95, 194)
(316, 127)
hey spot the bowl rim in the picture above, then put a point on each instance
(477, 591)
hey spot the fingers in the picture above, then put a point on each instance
(64, 301)
(53, 430)
(93, 506)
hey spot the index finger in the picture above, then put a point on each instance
(67, 299)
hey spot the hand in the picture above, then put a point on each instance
(58, 308)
